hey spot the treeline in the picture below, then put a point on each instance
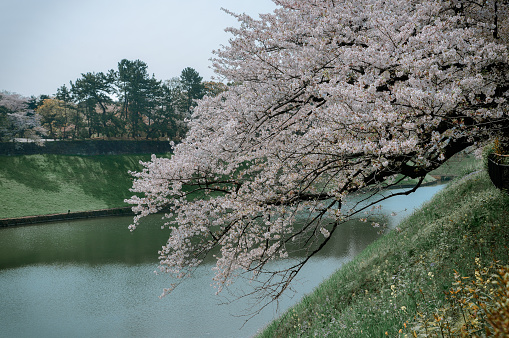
(125, 103)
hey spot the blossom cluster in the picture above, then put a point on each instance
(328, 97)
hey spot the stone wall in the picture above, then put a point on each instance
(95, 147)
(6, 222)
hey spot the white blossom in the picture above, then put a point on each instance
(328, 97)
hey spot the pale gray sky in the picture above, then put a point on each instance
(47, 43)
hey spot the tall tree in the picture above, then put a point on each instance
(330, 97)
(64, 95)
(35, 102)
(163, 116)
(138, 94)
(192, 88)
(52, 112)
(94, 91)
(171, 113)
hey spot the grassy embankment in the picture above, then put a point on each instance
(47, 184)
(404, 284)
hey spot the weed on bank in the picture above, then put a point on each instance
(442, 272)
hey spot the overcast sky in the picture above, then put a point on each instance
(47, 43)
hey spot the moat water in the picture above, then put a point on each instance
(94, 278)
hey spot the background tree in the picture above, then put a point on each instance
(212, 88)
(138, 94)
(35, 102)
(94, 91)
(52, 113)
(192, 88)
(151, 106)
(328, 98)
(163, 117)
(123, 102)
(4, 130)
(172, 114)
(9, 104)
(17, 119)
(64, 95)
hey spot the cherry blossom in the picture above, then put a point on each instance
(327, 98)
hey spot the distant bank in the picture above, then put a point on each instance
(48, 184)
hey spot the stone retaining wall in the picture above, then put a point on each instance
(88, 147)
(6, 222)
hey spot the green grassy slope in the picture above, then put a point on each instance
(397, 285)
(46, 184)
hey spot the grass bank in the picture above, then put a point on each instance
(46, 184)
(432, 276)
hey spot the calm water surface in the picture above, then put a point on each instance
(94, 278)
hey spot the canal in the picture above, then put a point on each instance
(94, 278)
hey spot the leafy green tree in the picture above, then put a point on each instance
(154, 110)
(167, 121)
(139, 95)
(35, 102)
(192, 88)
(64, 95)
(94, 91)
(212, 88)
(53, 117)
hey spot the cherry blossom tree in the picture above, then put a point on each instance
(329, 97)
(17, 119)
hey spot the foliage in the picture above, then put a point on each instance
(94, 90)
(128, 102)
(53, 117)
(121, 103)
(138, 93)
(495, 151)
(213, 89)
(475, 306)
(498, 314)
(70, 114)
(327, 98)
(192, 88)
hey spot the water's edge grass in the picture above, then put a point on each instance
(397, 286)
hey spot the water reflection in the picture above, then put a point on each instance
(94, 241)
(92, 278)
(107, 240)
